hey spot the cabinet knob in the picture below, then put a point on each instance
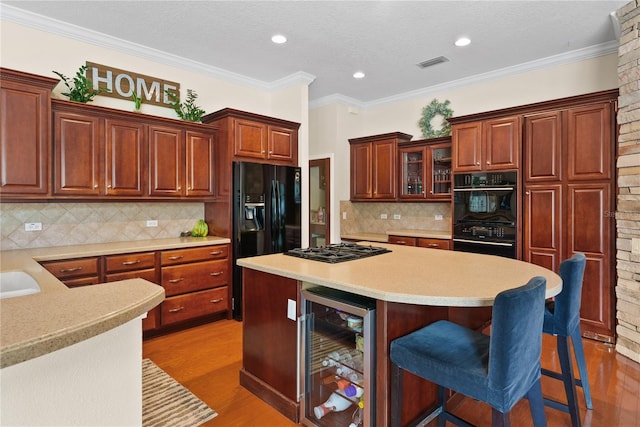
(109, 186)
(527, 193)
(179, 188)
(270, 152)
(488, 162)
(477, 163)
(95, 185)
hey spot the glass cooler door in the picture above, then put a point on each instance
(337, 359)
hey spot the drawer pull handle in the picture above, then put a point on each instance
(131, 262)
(176, 257)
(216, 273)
(215, 253)
(401, 242)
(176, 280)
(70, 270)
(175, 310)
(433, 245)
(215, 301)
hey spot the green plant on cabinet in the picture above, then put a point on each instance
(80, 88)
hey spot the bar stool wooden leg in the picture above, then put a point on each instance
(576, 339)
(569, 380)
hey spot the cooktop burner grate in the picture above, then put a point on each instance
(338, 252)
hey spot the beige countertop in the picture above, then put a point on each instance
(414, 275)
(383, 237)
(56, 317)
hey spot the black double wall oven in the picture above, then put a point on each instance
(484, 213)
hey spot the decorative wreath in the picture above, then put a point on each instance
(429, 112)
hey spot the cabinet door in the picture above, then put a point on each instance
(24, 139)
(590, 231)
(126, 148)
(434, 243)
(590, 137)
(200, 164)
(283, 144)
(166, 160)
(502, 143)
(78, 154)
(543, 147)
(467, 147)
(402, 240)
(384, 170)
(413, 173)
(250, 139)
(361, 163)
(543, 225)
(439, 180)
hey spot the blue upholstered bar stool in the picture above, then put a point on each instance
(499, 369)
(562, 319)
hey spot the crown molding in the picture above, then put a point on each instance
(54, 26)
(75, 32)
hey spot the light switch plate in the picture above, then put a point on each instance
(291, 309)
(383, 216)
(438, 217)
(152, 223)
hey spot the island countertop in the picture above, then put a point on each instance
(57, 317)
(413, 275)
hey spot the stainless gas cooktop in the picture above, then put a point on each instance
(338, 252)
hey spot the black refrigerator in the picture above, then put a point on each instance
(266, 215)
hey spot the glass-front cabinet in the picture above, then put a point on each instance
(337, 359)
(425, 169)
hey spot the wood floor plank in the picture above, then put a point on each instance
(207, 359)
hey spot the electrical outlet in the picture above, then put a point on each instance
(438, 217)
(383, 216)
(344, 215)
(32, 226)
(152, 223)
(396, 216)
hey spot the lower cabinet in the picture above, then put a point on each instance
(421, 242)
(196, 281)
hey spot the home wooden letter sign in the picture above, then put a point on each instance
(122, 84)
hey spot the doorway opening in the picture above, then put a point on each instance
(319, 202)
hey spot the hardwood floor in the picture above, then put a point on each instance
(206, 359)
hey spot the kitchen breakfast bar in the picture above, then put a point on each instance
(410, 287)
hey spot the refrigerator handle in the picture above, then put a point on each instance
(274, 215)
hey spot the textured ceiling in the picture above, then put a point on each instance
(330, 40)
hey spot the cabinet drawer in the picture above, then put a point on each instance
(73, 267)
(129, 262)
(434, 243)
(179, 279)
(184, 307)
(81, 281)
(180, 256)
(148, 274)
(402, 240)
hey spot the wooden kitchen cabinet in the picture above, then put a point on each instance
(255, 140)
(76, 272)
(181, 162)
(25, 120)
(140, 265)
(486, 145)
(95, 156)
(269, 371)
(569, 200)
(197, 283)
(425, 169)
(374, 166)
(402, 240)
(422, 242)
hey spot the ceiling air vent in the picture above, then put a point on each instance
(432, 61)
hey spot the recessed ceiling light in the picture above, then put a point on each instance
(358, 75)
(279, 39)
(462, 41)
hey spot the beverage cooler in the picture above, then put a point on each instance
(337, 359)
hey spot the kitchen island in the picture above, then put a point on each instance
(412, 288)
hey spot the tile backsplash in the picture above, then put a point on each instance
(365, 217)
(82, 223)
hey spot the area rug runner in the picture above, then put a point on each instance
(166, 402)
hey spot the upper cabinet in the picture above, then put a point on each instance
(486, 145)
(250, 137)
(425, 169)
(25, 124)
(374, 166)
(100, 152)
